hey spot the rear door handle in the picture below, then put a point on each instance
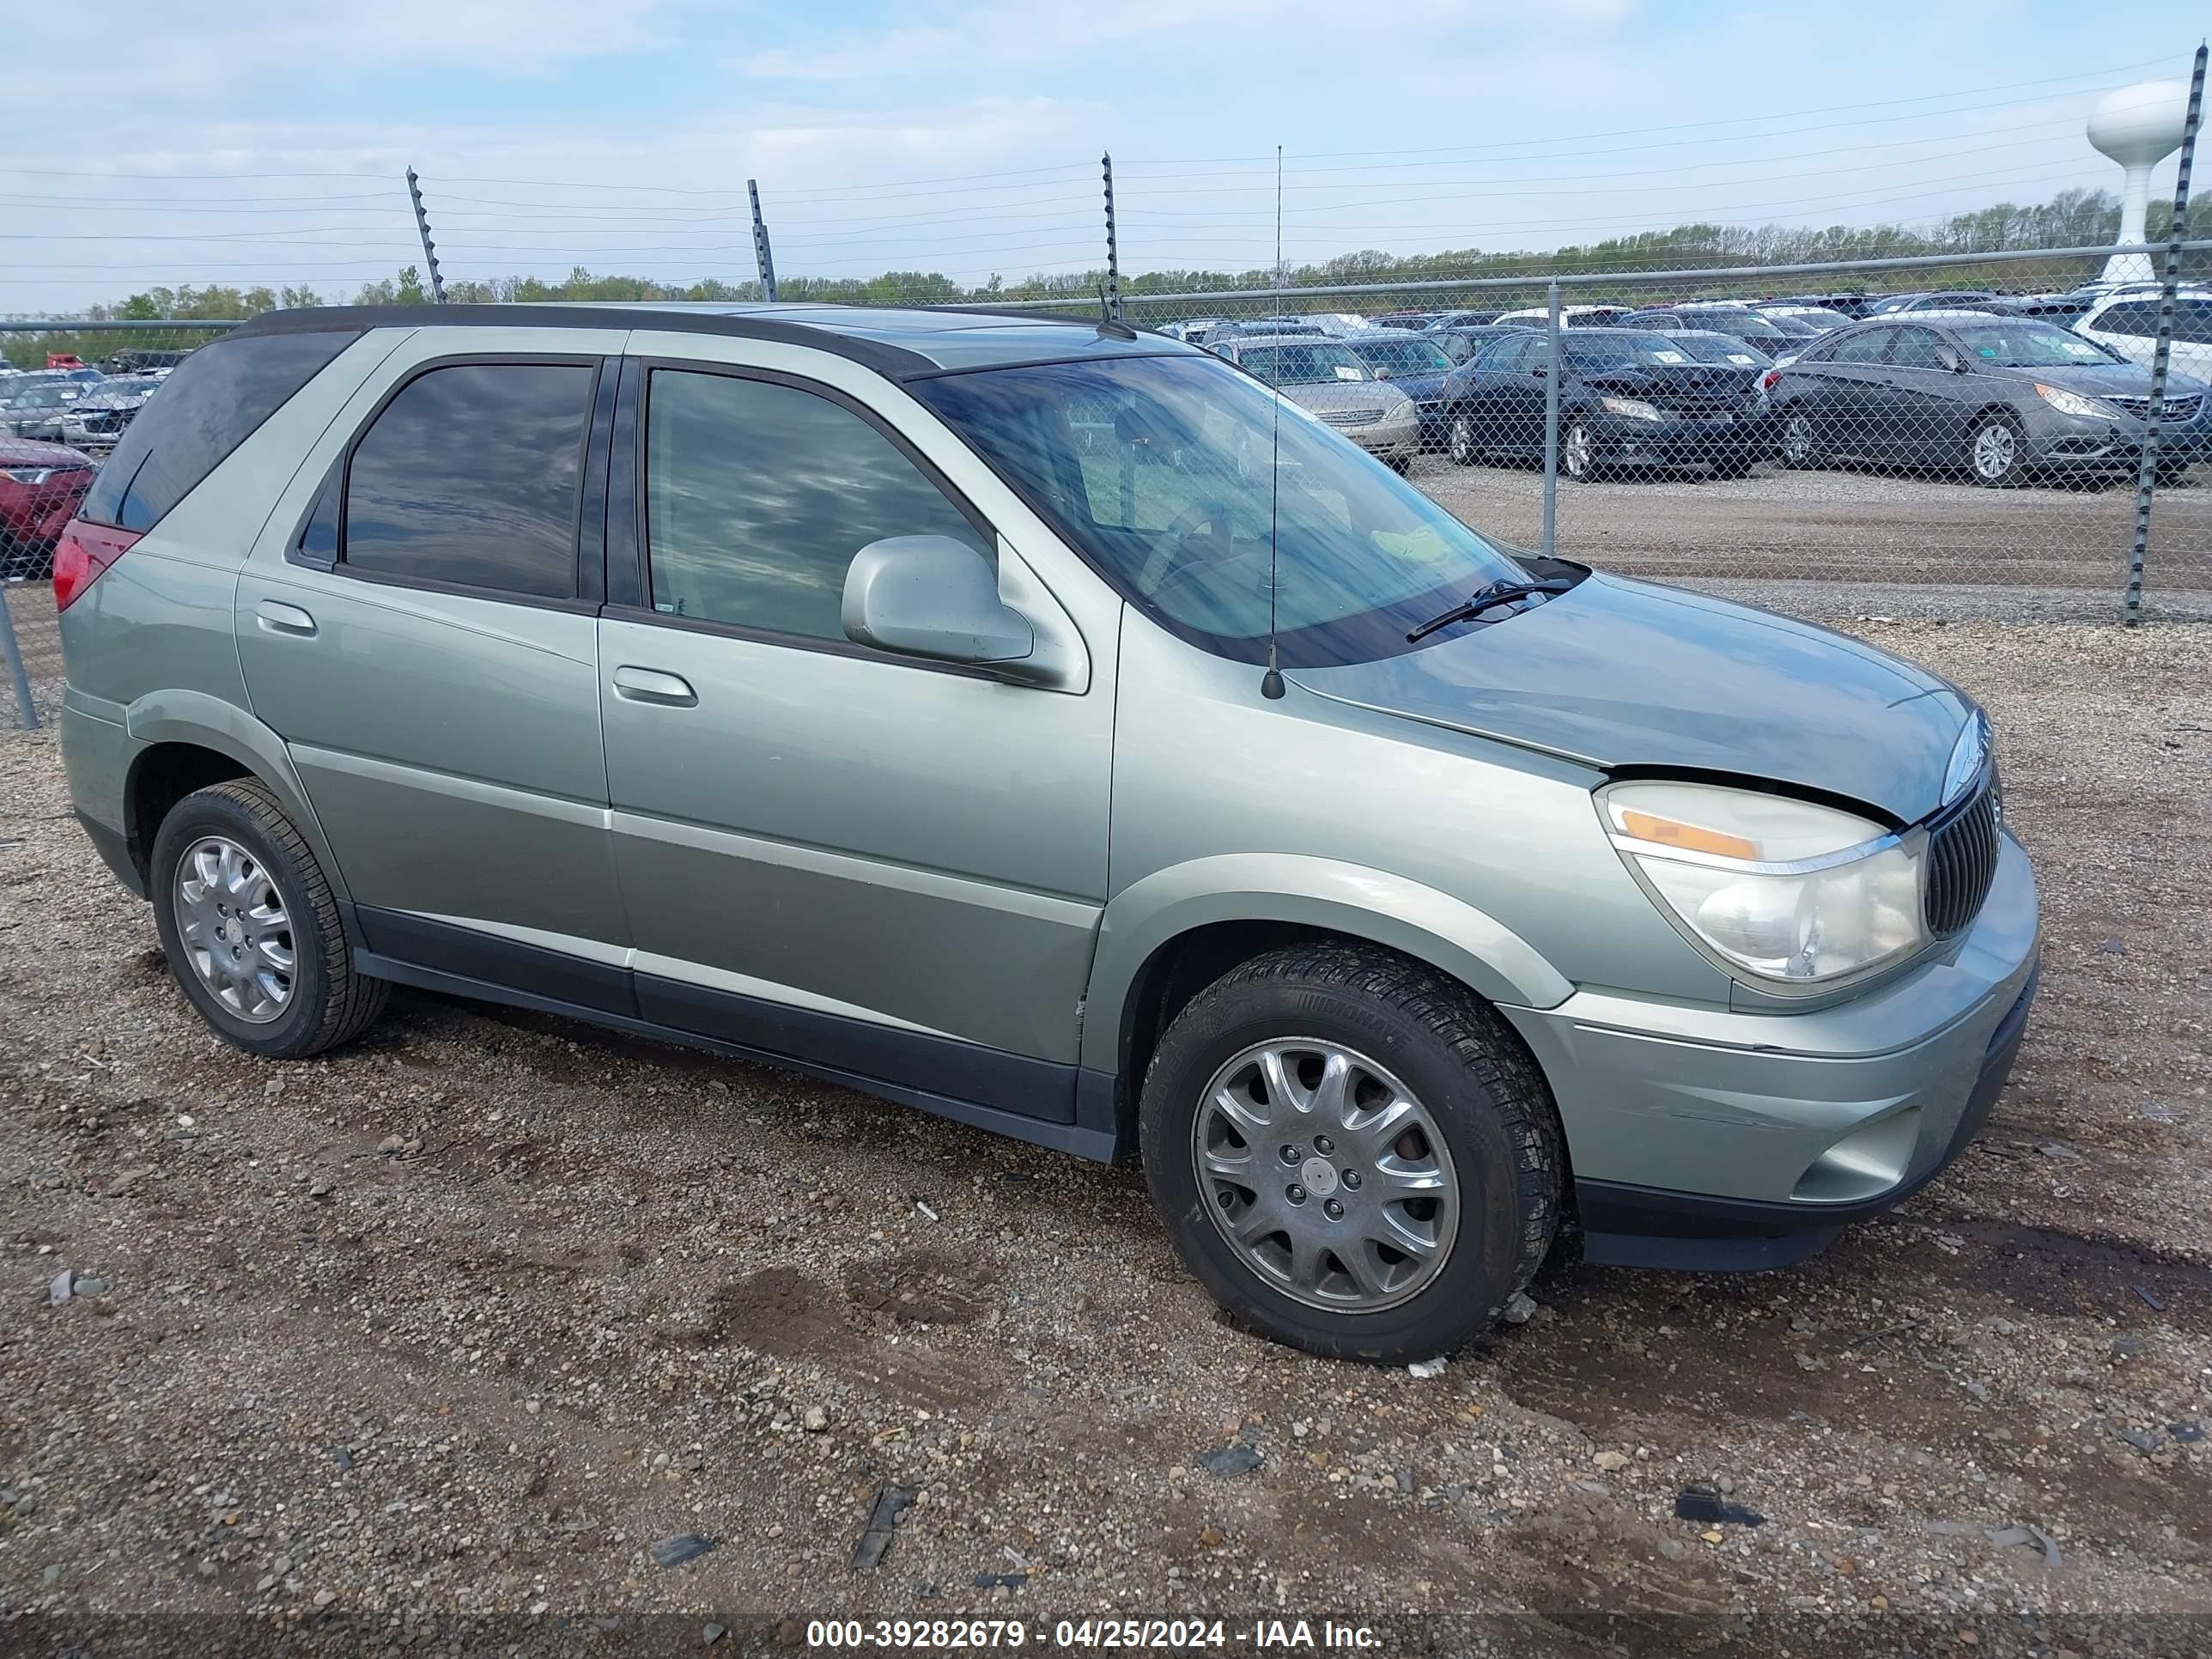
(650, 685)
(277, 619)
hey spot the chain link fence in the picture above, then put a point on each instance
(1964, 435)
(1968, 432)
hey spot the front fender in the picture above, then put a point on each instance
(1402, 915)
(179, 716)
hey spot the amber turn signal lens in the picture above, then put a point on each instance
(1669, 832)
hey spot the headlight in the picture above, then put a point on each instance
(28, 475)
(1779, 889)
(1634, 408)
(2073, 402)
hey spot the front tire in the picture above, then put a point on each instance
(250, 926)
(1579, 452)
(1997, 451)
(1459, 442)
(1354, 1153)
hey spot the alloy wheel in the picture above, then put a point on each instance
(1797, 440)
(1462, 442)
(1997, 451)
(1576, 451)
(1327, 1175)
(236, 933)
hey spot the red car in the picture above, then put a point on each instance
(41, 485)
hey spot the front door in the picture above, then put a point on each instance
(887, 867)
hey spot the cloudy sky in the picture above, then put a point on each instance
(204, 144)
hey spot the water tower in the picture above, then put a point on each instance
(2137, 126)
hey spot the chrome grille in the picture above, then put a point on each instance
(2178, 410)
(1962, 861)
(1351, 416)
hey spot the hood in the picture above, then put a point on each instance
(1627, 674)
(19, 452)
(2106, 379)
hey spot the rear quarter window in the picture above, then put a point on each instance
(210, 404)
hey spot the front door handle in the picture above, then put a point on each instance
(650, 685)
(277, 619)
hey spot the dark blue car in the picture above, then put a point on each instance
(1417, 368)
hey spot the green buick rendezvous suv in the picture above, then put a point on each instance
(1044, 724)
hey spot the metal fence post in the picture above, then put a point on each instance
(763, 256)
(422, 229)
(1552, 424)
(26, 712)
(1113, 256)
(2146, 468)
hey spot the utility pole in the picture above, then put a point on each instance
(762, 256)
(1113, 256)
(422, 228)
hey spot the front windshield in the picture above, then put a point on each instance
(2028, 345)
(1818, 316)
(1403, 356)
(1158, 471)
(1304, 365)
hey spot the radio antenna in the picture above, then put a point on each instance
(1271, 683)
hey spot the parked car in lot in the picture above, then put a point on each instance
(2005, 400)
(799, 687)
(41, 485)
(97, 418)
(1591, 316)
(1463, 319)
(35, 407)
(1418, 368)
(1738, 322)
(1412, 321)
(2125, 321)
(138, 361)
(1326, 378)
(1803, 320)
(1628, 401)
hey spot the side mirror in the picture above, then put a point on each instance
(1380, 373)
(1951, 360)
(930, 596)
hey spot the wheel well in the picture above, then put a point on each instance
(161, 777)
(1185, 964)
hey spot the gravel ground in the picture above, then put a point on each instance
(423, 1344)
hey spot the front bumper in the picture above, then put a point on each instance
(1729, 442)
(1394, 437)
(2062, 443)
(1705, 1138)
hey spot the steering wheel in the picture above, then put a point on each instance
(1173, 555)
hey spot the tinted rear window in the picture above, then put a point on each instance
(211, 404)
(469, 478)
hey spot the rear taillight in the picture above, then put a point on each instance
(85, 550)
(1767, 381)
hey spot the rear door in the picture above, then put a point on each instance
(422, 633)
(1853, 389)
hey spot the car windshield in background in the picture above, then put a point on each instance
(2028, 345)
(1161, 470)
(1304, 365)
(121, 391)
(1720, 348)
(1624, 350)
(1820, 319)
(1403, 356)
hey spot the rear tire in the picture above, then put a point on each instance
(251, 927)
(1801, 441)
(1305, 1249)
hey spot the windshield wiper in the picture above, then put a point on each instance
(1501, 592)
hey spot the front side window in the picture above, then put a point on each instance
(1917, 348)
(758, 495)
(1502, 357)
(1175, 476)
(469, 478)
(2137, 319)
(1404, 356)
